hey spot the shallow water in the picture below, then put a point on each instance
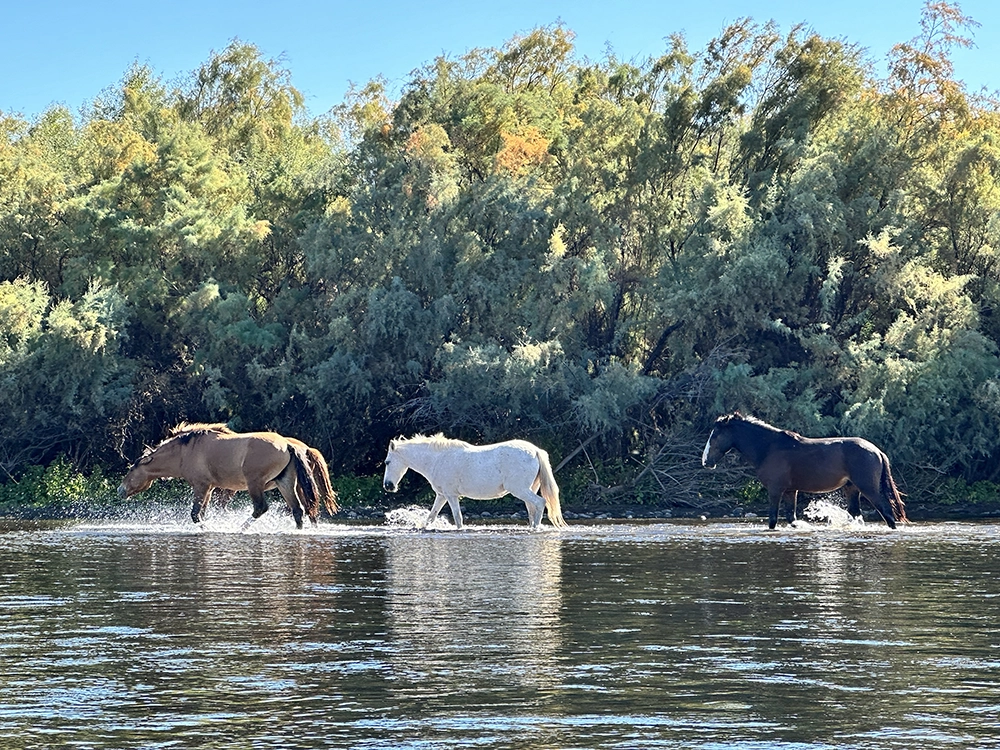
(154, 633)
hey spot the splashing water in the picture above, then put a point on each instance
(413, 517)
(822, 510)
(176, 519)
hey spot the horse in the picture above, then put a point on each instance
(788, 463)
(211, 456)
(318, 470)
(457, 469)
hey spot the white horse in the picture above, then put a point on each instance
(483, 472)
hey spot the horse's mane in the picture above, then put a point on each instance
(737, 418)
(199, 427)
(186, 431)
(437, 442)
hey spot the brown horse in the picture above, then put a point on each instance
(318, 469)
(788, 463)
(213, 456)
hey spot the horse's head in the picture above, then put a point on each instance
(161, 461)
(138, 479)
(721, 439)
(395, 467)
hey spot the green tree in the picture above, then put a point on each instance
(65, 384)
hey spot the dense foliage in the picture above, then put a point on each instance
(599, 257)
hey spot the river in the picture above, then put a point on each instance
(153, 633)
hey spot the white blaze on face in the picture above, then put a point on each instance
(704, 454)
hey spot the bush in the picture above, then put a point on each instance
(57, 486)
(959, 492)
(353, 492)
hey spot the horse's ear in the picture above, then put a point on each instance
(392, 444)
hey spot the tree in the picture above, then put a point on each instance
(65, 384)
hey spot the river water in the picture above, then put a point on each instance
(154, 633)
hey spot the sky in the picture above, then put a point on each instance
(66, 52)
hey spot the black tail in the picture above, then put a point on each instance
(305, 480)
(891, 492)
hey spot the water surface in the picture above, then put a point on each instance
(154, 633)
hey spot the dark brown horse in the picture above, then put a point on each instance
(788, 463)
(212, 456)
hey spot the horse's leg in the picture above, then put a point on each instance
(256, 490)
(224, 496)
(536, 511)
(774, 495)
(201, 497)
(314, 513)
(439, 500)
(872, 490)
(853, 495)
(456, 511)
(791, 498)
(535, 505)
(293, 503)
(297, 513)
(288, 486)
(868, 480)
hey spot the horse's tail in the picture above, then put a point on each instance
(321, 477)
(891, 492)
(300, 458)
(549, 489)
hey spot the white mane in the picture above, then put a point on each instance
(729, 419)
(438, 441)
(760, 423)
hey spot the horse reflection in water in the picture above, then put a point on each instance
(457, 469)
(480, 610)
(211, 456)
(788, 463)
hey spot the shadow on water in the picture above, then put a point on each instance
(151, 632)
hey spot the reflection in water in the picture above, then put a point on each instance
(613, 636)
(474, 615)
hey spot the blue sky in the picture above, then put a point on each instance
(67, 52)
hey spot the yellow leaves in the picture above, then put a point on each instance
(521, 151)
(338, 207)
(109, 148)
(429, 148)
(931, 309)
(429, 144)
(365, 109)
(557, 243)
(22, 305)
(536, 354)
(202, 298)
(92, 323)
(260, 229)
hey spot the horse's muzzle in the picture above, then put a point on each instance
(122, 492)
(389, 487)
